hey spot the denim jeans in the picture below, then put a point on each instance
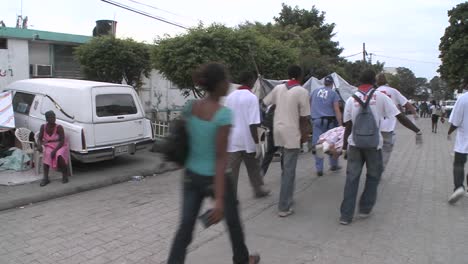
(321, 126)
(195, 189)
(356, 159)
(288, 176)
(387, 148)
(459, 169)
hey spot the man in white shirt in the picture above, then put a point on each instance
(387, 125)
(381, 107)
(243, 139)
(459, 121)
(291, 128)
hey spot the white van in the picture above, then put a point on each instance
(101, 120)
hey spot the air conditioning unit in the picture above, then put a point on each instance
(41, 70)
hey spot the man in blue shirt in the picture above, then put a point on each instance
(326, 114)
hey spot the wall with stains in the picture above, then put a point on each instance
(14, 62)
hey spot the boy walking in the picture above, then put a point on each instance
(459, 121)
(291, 128)
(362, 115)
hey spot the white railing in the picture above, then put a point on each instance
(160, 128)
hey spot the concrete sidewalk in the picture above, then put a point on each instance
(135, 222)
(85, 177)
(412, 222)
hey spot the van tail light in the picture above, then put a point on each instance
(83, 140)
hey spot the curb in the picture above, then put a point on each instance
(44, 196)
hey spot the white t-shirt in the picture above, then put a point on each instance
(246, 111)
(381, 107)
(291, 104)
(459, 118)
(388, 124)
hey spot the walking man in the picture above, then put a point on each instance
(326, 114)
(387, 125)
(291, 128)
(243, 140)
(459, 121)
(362, 115)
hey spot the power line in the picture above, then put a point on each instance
(143, 13)
(160, 9)
(352, 55)
(428, 62)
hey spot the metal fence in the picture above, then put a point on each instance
(160, 128)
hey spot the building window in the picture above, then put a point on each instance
(3, 43)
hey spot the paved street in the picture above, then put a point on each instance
(134, 222)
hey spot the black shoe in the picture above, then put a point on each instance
(335, 168)
(44, 182)
(64, 179)
(319, 173)
(262, 193)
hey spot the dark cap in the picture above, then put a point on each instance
(328, 79)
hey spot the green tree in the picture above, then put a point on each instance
(306, 31)
(406, 82)
(454, 47)
(109, 59)
(440, 90)
(352, 70)
(422, 89)
(178, 57)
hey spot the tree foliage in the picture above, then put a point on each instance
(440, 90)
(306, 31)
(178, 57)
(405, 81)
(351, 71)
(454, 47)
(109, 59)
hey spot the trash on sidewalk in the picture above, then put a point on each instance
(138, 178)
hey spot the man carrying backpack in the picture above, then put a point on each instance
(362, 115)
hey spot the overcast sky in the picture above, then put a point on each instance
(408, 31)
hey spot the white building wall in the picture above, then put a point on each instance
(14, 62)
(159, 95)
(39, 53)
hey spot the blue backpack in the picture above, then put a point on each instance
(366, 133)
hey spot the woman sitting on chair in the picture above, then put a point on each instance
(52, 143)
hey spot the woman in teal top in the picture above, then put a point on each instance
(208, 125)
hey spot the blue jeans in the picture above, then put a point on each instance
(195, 189)
(321, 126)
(356, 159)
(288, 177)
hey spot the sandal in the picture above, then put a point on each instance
(44, 182)
(254, 259)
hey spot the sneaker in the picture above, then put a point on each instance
(344, 222)
(319, 173)
(335, 168)
(457, 194)
(286, 213)
(364, 215)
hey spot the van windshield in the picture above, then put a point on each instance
(115, 105)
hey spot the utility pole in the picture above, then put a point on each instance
(364, 52)
(370, 59)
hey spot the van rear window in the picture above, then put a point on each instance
(115, 105)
